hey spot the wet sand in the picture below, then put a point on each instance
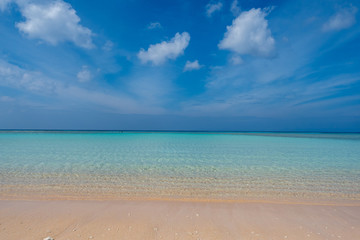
(133, 220)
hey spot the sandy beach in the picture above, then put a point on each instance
(81, 186)
(65, 220)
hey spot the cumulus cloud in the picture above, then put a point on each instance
(54, 22)
(249, 34)
(84, 75)
(213, 7)
(154, 25)
(159, 53)
(344, 18)
(189, 66)
(235, 9)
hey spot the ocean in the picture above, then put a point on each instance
(207, 166)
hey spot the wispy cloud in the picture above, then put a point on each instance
(84, 75)
(236, 60)
(154, 25)
(14, 76)
(235, 9)
(265, 100)
(342, 19)
(6, 99)
(211, 8)
(4, 4)
(152, 86)
(36, 83)
(161, 52)
(108, 46)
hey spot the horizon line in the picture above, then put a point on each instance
(169, 131)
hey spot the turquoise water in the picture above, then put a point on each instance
(180, 165)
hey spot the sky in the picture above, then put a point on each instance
(255, 65)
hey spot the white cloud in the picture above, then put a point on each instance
(236, 60)
(14, 76)
(249, 34)
(159, 53)
(4, 4)
(108, 46)
(189, 66)
(6, 99)
(154, 25)
(153, 86)
(213, 7)
(54, 22)
(37, 83)
(235, 9)
(344, 18)
(84, 75)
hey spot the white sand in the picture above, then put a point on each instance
(133, 220)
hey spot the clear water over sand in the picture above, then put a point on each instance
(213, 166)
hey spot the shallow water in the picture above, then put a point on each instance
(180, 165)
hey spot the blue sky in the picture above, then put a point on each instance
(180, 65)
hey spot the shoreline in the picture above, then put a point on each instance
(305, 202)
(139, 219)
(71, 193)
(24, 194)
